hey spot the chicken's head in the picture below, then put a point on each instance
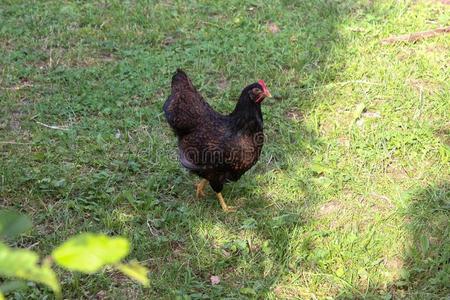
(259, 91)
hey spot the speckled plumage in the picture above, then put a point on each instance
(216, 147)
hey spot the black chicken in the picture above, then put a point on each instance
(217, 148)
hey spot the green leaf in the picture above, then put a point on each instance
(284, 220)
(249, 223)
(1, 296)
(247, 291)
(89, 252)
(23, 264)
(13, 223)
(359, 109)
(340, 272)
(319, 168)
(136, 271)
(237, 245)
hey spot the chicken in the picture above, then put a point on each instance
(216, 147)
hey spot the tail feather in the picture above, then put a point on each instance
(185, 108)
(180, 81)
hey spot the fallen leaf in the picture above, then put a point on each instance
(215, 280)
(272, 27)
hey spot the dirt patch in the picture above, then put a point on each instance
(329, 208)
(394, 265)
(421, 85)
(344, 141)
(177, 248)
(107, 57)
(13, 119)
(118, 277)
(395, 171)
(101, 295)
(168, 40)
(444, 134)
(223, 83)
(405, 54)
(380, 203)
(14, 123)
(24, 83)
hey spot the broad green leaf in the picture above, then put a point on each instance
(1, 296)
(23, 264)
(340, 272)
(136, 271)
(13, 223)
(359, 109)
(89, 252)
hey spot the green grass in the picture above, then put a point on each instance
(350, 198)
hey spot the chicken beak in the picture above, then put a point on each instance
(268, 94)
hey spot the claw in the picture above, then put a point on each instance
(225, 207)
(230, 209)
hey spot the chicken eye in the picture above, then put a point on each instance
(256, 91)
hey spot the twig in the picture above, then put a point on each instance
(412, 37)
(153, 231)
(52, 126)
(17, 87)
(332, 84)
(13, 143)
(33, 245)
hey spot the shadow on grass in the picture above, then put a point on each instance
(250, 250)
(426, 269)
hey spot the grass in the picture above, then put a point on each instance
(350, 198)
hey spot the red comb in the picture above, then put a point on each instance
(263, 85)
(265, 92)
(265, 89)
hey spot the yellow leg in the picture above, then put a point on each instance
(200, 187)
(225, 207)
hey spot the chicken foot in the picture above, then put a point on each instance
(225, 207)
(200, 188)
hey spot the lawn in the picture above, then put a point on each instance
(350, 199)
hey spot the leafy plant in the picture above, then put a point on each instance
(85, 252)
